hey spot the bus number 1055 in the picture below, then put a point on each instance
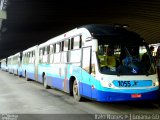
(124, 83)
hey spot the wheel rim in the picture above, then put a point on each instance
(75, 89)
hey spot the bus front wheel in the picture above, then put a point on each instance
(76, 94)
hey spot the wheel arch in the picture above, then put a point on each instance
(43, 74)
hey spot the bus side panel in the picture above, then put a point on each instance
(86, 84)
(56, 76)
(53, 75)
(19, 71)
(89, 85)
(102, 94)
(30, 71)
(23, 69)
(108, 96)
(41, 70)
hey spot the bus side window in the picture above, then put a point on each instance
(28, 57)
(58, 47)
(45, 60)
(24, 58)
(33, 54)
(68, 53)
(54, 48)
(80, 43)
(69, 46)
(48, 50)
(66, 47)
(43, 50)
(51, 49)
(72, 43)
(62, 46)
(40, 54)
(76, 44)
(48, 54)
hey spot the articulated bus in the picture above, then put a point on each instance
(99, 62)
(10, 64)
(14, 64)
(4, 64)
(29, 63)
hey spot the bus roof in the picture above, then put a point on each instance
(107, 30)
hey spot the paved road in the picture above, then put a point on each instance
(20, 99)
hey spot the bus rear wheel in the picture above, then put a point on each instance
(76, 94)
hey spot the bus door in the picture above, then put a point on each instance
(86, 70)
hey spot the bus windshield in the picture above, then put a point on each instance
(125, 59)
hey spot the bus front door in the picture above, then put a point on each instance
(86, 69)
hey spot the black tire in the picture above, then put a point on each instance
(76, 94)
(19, 76)
(45, 83)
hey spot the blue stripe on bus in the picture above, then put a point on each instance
(19, 72)
(117, 95)
(57, 82)
(107, 94)
(135, 83)
(40, 78)
(89, 86)
(23, 73)
(104, 96)
(31, 75)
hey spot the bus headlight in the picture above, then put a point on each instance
(106, 84)
(156, 83)
(103, 83)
